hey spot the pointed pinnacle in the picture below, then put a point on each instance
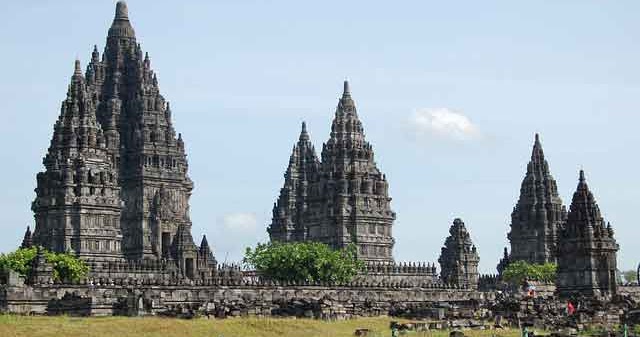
(582, 179)
(346, 91)
(304, 135)
(122, 13)
(77, 71)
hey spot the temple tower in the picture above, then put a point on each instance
(587, 249)
(141, 139)
(341, 200)
(288, 223)
(349, 200)
(459, 257)
(116, 183)
(77, 205)
(537, 216)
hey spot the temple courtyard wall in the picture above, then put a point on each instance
(99, 297)
(123, 297)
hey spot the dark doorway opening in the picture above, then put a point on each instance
(166, 243)
(188, 264)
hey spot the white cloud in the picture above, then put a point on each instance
(443, 123)
(242, 222)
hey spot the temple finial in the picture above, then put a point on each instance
(304, 135)
(121, 26)
(77, 71)
(582, 179)
(346, 90)
(537, 138)
(122, 13)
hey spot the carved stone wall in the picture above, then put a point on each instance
(248, 299)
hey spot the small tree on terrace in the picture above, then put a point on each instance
(65, 265)
(519, 271)
(304, 261)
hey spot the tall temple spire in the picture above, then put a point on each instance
(287, 222)
(115, 133)
(79, 182)
(587, 248)
(538, 213)
(348, 187)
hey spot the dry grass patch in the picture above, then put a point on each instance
(43, 326)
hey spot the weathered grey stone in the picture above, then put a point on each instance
(587, 249)
(115, 184)
(459, 258)
(537, 216)
(340, 200)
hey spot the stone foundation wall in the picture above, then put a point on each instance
(408, 278)
(632, 291)
(320, 301)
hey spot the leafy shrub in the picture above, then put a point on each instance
(519, 271)
(304, 261)
(65, 265)
(18, 261)
(630, 275)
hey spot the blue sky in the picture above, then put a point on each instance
(450, 95)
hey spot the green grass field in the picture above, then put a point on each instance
(42, 326)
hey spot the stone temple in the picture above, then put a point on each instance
(340, 199)
(580, 242)
(537, 216)
(115, 192)
(587, 248)
(459, 257)
(115, 186)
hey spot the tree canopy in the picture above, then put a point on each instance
(519, 271)
(65, 265)
(304, 262)
(630, 275)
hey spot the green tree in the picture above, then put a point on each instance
(18, 261)
(65, 265)
(304, 261)
(630, 275)
(519, 271)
